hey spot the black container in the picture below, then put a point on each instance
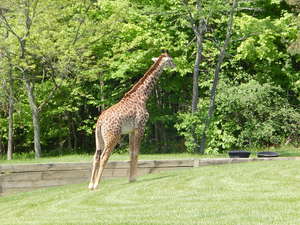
(239, 154)
(267, 154)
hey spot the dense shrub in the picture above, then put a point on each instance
(246, 115)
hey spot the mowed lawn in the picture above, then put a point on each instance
(237, 194)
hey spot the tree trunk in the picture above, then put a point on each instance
(1, 146)
(10, 117)
(156, 136)
(157, 127)
(213, 90)
(74, 131)
(72, 137)
(164, 137)
(195, 97)
(101, 108)
(35, 118)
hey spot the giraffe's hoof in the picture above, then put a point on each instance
(91, 186)
(95, 186)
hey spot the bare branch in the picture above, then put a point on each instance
(191, 41)
(162, 13)
(198, 4)
(191, 18)
(80, 24)
(7, 25)
(29, 18)
(249, 9)
(50, 95)
(245, 37)
(28, 23)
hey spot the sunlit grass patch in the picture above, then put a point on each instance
(250, 193)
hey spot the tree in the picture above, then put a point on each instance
(10, 92)
(263, 31)
(82, 56)
(213, 90)
(199, 28)
(28, 14)
(39, 57)
(9, 88)
(294, 48)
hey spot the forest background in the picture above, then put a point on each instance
(64, 61)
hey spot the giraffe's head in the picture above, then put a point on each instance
(166, 60)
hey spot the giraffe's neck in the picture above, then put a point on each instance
(143, 88)
(144, 91)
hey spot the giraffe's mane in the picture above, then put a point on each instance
(147, 74)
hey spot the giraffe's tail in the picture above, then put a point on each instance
(99, 139)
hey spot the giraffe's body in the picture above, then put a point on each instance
(128, 116)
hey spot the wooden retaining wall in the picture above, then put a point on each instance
(22, 177)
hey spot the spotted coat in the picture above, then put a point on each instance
(128, 116)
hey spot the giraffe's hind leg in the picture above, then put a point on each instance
(96, 159)
(96, 164)
(109, 145)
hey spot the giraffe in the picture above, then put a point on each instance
(128, 116)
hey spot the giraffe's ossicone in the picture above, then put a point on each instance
(128, 116)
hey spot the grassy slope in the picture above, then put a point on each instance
(250, 193)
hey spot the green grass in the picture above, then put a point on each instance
(254, 193)
(285, 151)
(114, 157)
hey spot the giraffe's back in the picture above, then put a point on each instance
(120, 118)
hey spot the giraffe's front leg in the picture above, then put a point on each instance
(132, 157)
(134, 143)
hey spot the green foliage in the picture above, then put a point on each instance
(248, 115)
(265, 52)
(189, 124)
(255, 115)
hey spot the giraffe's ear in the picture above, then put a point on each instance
(154, 59)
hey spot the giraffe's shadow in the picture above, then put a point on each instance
(143, 179)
